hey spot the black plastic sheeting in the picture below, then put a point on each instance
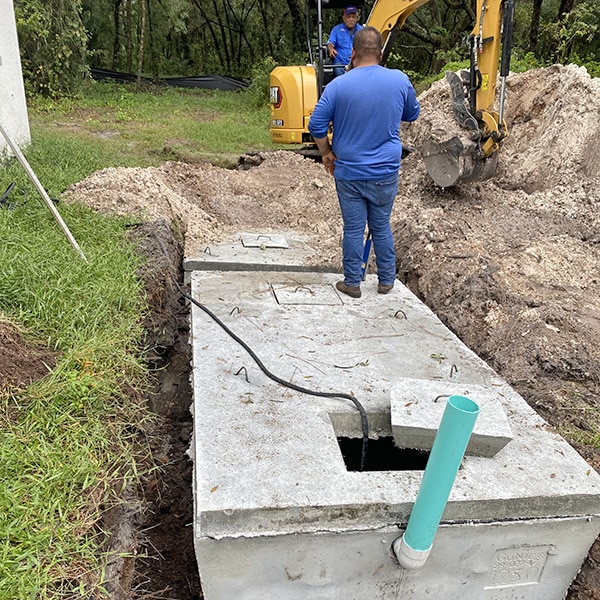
(207, 82)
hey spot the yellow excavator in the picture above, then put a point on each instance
(294, 90)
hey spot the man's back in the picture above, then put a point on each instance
(366, 107)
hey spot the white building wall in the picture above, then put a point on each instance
(13, 108)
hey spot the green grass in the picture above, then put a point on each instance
(114, 125)
(68, 440)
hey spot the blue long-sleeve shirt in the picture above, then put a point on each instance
(365, 107)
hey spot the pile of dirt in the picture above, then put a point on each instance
(552, 120)
(511, 265)
(284, 192)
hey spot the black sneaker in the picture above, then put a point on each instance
(352, 290)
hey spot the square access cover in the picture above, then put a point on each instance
(417, 408)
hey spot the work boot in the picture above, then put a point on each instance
(384, 289)
(352, 290)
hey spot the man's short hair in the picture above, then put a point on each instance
(367, 42)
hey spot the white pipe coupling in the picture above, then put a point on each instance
(408, 557)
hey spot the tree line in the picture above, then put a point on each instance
(61, 39)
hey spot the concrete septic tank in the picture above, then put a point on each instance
(281, 511)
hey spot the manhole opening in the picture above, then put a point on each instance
(382, 455)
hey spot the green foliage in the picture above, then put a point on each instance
(233, 37)
(452, 55)
(53, 45)
(191, 37)
(422, 83)
(524, 63)
(593, 68)
(432, 36)
(522, 27)
(571, 38)
(185, 37)
(259, 86)
(455, 66)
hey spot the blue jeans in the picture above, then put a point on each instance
(367, 202)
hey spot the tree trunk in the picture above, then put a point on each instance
(129, 36)
(142, 42)
(535, 25)
(221, 50)
(566, 6)
(434, 12)
(117, 36)
(267, 26)
(237, 32)
(298, 18)
(224, 46)
(154, 66)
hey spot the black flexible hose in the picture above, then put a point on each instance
(292, 386)
(9, 189)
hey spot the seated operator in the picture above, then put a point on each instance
(339, 44)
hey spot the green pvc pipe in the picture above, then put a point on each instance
(444, 461)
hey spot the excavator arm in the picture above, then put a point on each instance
(389, 16)
(295, 90)
(474, 155)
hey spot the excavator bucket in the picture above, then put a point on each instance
(450, 162)
(459, 158)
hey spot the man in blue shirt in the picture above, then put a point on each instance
(365, 108)
(339, 44)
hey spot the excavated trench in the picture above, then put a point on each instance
(150, 541)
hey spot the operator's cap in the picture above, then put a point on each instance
(350, 9)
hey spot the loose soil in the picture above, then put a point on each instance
(511, 265)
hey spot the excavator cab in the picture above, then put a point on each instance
(294, 90)
(323, 63)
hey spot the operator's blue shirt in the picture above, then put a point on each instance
(365, 107)
(342, 39)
